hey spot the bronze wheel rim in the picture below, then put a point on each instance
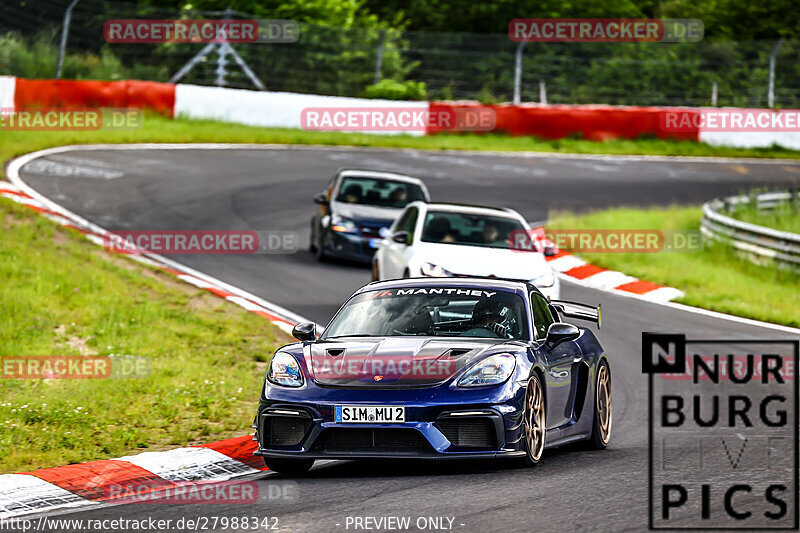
(534, 418)
(604, 403)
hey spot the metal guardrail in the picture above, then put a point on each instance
(762, 245)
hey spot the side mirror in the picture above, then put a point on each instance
(401, 237)
(550, 251)
(320, 198)
(559, 332)
(305, 331)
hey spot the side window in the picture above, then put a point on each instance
(542, 318)
(331, 184)
(402, 221)
(407, 222)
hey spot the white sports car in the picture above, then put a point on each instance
(451, 240)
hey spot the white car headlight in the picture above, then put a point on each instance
(285, 370)
(545, 280)
(491, 371)
(343, 225)
(434, 271)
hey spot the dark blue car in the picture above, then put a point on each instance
(436, 368)
(356, 209)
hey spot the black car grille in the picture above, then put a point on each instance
(284, 430)
(370, 232)
(477, 432)
(369, 440)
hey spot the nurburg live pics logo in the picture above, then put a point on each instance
(722, 433)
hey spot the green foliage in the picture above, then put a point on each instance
(723, 19)
(397, 90)
(37, 57)
(785, 216)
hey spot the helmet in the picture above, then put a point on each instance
(494, 315)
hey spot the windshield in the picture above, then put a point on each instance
(432, 311)
(470, 230)
(379, 192)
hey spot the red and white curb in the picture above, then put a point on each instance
(105, 481)
(577, 270)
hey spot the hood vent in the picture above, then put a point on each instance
(456, 352)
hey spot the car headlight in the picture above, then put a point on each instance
(545, 280)
(285, 370)
(434, 271)
(343, 225)
(491, 371)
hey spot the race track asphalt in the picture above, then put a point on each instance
(270, 189)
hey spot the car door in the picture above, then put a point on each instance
(559, 364)
(394, 253)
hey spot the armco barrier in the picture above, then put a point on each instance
(759, 243)
(593, 122)
(159, 97)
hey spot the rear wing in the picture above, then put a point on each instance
(578, 310)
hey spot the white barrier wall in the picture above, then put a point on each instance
(270, 109)
(761, 139)
(7, 86)
(764, 119)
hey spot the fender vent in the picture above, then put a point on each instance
(335, 352)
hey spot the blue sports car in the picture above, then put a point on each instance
(436, 368)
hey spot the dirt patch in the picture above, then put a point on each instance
(76, 343)
(206, 301)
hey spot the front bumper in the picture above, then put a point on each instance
(441, 423)
(352, 246)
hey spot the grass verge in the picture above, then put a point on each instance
(713, 278)
(159, 129)
(784, 217)
(63, 295)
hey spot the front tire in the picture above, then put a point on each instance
(535, 421)
(290, 467)
(320, 251)
(601, 426)
(312, 241)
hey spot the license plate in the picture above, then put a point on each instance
(371, 414)
(375, 243)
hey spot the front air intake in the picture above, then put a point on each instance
(469, 432)
(283, 429)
